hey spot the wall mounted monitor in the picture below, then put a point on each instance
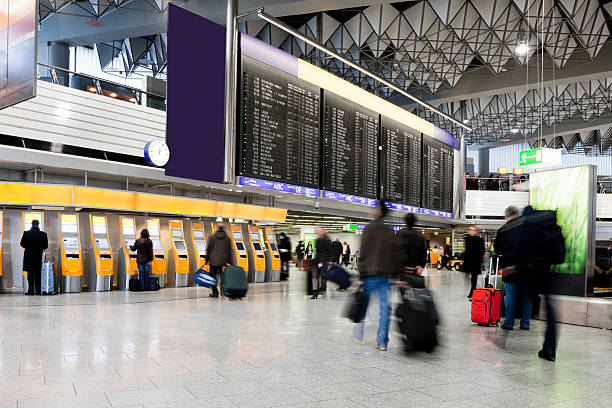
(350, 148)
(255, 236)
(257, 246)
(198, 234)
(157, 246)
(279, 132)
(237, 236)
(177, 233)
(70, 243)
(201, 247)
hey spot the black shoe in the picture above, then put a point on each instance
(546, 355)
(29, 293)
(503, 326)
(524, 328)
(215, 295)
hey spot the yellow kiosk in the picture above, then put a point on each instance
(100, 256)
(198, 243)
(127, 266)
(240, 253)
(159, 267)
(257, 260)
(28, 217)
(178, 268)
(273, 263)
(70, 265)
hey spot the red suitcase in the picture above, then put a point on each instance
(486, 302)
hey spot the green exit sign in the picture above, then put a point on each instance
(530, 157)
(350, 227)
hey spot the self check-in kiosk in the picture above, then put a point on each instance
(257, 260)
(273, 263)
(178, 267)
(126, 264)
(28, 217)
(70, 265)
(159, 267)
(240, 251)
(198, 243)
(100, 256)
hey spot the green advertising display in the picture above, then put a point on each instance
(568, 192)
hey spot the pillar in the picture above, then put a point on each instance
(59, 56)
(483, 162)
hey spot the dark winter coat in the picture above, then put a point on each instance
(337, 249)
(324, 252)
(377, 253)
(411, 248)
(474, 251)
(284, 248)
(34, 242)
(508, 245)
(299, 251)
(144, 250)
(219, 249)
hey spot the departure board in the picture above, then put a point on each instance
(438, 163)
(280, 126)
(401, 163)
(350, 148)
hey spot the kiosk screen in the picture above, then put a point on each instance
(273, 246)
(98, 225)
(157, 246)
(254, 236)
(70, 243)
(102, 244)
(240, 246)
(198, 234)
(128, 230)
(257, 246)
(237, 236)
(128, 244)
(177, 233)
(69, 224)
(201, 247)
(153, 228)
(180, 246)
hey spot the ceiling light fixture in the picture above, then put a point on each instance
(112, 95)
(514, 130)
(522, 48)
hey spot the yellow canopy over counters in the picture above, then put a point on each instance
(99, 198)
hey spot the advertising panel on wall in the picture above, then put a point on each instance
(17, 51)
(571, 193)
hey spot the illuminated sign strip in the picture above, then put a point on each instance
(370, 202)
(417, 210)
(280, 187)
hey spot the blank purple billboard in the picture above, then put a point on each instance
(195, 96)
(17, 51)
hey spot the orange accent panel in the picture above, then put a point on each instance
(183, 265)
(72, 267)
(106, 267)
(35, 194)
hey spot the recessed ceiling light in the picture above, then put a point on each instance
(466, 121)
(514, 130)
(505, 140)
(522, 48)
(112, 95)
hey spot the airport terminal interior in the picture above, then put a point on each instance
(305, 203)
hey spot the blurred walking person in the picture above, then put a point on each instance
(284, 247)
(299, 252)
(346, 253)
(218, 255)
(473, 255)
(323, 257)
(144, 257)
(337, 250)
(377, 264)
(411, 253)
(34, 242)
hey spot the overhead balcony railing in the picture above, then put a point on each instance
(99, 86)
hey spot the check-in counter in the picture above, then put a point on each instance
(178, 268)
(257, 260)
(198, 246)
(100, 256)
(273, 263)
(27, 218)
(159, 268)
(240, 251)
(127, 265)
(70, 257)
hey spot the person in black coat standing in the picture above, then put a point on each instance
(218, 254)
(144, 257)
(34, 242)
(323, 256)
(473, 255)
(337, 250)
(284, 247)
(411, 253)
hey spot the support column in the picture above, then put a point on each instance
(59, 56)
(230, 88)
(483, 162)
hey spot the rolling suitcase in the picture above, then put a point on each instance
(486, 301)
(234, 282)
(154, 283)
(417, 319)
(47, 279)
(338, 275)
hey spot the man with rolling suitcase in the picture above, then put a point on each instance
(218, 254)
(473, 255)
(34, 242)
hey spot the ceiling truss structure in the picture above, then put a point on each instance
(93, 9)
(593, 142)
(146, 55)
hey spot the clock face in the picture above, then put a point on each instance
(157, 153)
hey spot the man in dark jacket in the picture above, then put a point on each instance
(377, 263)
(299, 252)
(284, 248)
(323, 256)
(34, 242)
(411, 252)
(144, 257)
(472, 257)
(507, 244)
(337, 250)
(218, 254)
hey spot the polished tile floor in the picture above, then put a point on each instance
(179, 348)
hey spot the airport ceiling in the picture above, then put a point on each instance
(512, 64)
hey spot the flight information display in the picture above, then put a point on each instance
(350, 148)
(280, 126)
(438, 162)
(401, 163)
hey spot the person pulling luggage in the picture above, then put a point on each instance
(473, 256)
(323, 256)
(218, 254)
(34, 242)
(144, 257)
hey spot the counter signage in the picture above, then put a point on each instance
(276, 186)
(403, 207)
(370, 202)
(437, 213)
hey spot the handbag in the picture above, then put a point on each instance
(134, 284)
(509, 271)
(356, 309)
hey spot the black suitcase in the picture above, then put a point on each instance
(153, 283)
(338, 275)
(134, 284)
(234, 282)
(417, 320)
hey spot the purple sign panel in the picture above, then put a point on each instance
(195, 96)
(269, 55)
(402, 207)
(370, 202)
(281, 187)
(444, 136)
(436, 213)
(17, 51)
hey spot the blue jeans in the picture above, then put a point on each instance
(381, 286)
(515, 296)
(144, 271)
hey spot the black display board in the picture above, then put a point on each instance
(350, 148)
(438, 168)
(401, 163)
(279, 126)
